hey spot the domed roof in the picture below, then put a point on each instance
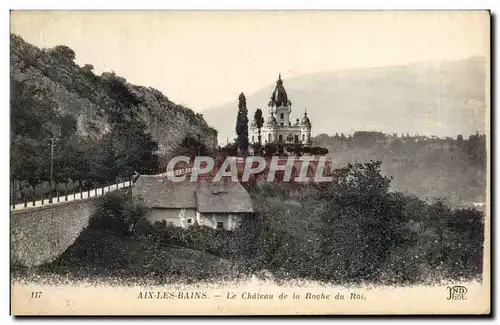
(279, 96)
(305, 120)
(271, 120)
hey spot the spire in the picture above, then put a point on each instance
(279, 96)
(305, 120)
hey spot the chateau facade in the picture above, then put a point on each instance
(277, 127)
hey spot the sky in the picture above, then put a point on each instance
(203, 59)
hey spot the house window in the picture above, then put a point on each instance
(253, 140)
(220, 225)
(269, 136)
(190, 220)
(280, 138)
(296, 138)
(282, 124)
(282, 116)
(303, 137)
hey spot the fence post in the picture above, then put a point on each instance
(57, 192)
(33, 198)
(95, 190)
(66, 191)
(41, 192)
(102, 189)
(73, 188)
(80, 187)
(25, 197)
(88, 191)
(117, 183)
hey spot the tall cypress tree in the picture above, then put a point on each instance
(242, 123)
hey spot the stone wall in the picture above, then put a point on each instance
(40, 234)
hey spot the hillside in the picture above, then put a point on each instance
(77, 91)
(440, 98)
(428, 168)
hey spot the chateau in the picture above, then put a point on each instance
(278, 128)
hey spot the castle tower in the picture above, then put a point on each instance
(305, 130)
(280, 105)
(278, 128)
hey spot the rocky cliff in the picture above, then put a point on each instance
(77, 91)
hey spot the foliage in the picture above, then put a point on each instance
(259, 121)
(242, 123)
(352, 230)
(356, 230)
(270, 149)
(32, 113)
(231, 149)
(64, 52)
(191, 146)
(116, 213)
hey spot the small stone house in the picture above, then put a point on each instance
(219, 205)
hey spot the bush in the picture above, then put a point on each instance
(116, 213)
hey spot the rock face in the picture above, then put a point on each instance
(82, 94)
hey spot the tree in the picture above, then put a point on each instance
(259, 121)
(358, 225)
(33, 114)
(64, 51)
(270, 149)
(242, 123)
(68, 125)
(297, 149)
(191, 146)
(88, 68)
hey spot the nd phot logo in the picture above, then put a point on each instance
(457, 293)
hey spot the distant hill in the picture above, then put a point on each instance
(77, 91)
(432, 98)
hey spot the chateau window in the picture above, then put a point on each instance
(253, 139)
(282, 115)
(296, 138)
(282, 124)
(280, 138)
(220, 225)
(269, 137)
(303, 137)
(190, 220)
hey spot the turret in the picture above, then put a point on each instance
(280, 104)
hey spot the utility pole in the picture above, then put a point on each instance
(51, 166)
(198, 145)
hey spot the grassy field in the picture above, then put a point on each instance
(102, 255)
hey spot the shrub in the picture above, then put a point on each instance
(116, 213)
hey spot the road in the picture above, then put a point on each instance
(88, 194)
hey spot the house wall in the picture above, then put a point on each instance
(231, 221)
(177, 217)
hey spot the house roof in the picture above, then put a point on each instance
(205, 195)
(160, 192)
(222, 197)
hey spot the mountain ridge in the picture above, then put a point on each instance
(79, 92)
(441, 98)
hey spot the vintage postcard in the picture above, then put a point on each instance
(250, 162)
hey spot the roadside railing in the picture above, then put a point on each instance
(81, 193)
